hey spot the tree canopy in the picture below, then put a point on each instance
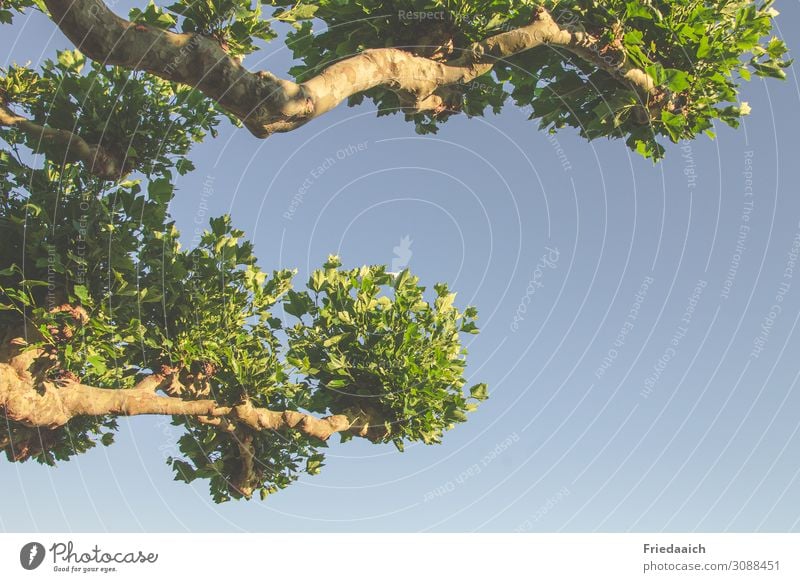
(641, 70)
(104, 314)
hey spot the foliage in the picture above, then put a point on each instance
(234, 332)
(696, 52)
(9, 7)
(400, 355)
(359, 341)
(163, 119)
(236, 24)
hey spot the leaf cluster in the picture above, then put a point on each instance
(208, 313)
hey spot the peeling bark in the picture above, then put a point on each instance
(28, 398)
(267, 104)
(545, 30)
(263, 419)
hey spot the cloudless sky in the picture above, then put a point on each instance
(640, 377)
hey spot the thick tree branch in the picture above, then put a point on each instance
(32, 402)
(263, 102)
(266, 104)
(97, 160)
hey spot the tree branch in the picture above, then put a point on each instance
(267, 104)
(97, 160)
(263, 102)
(545, 30)
(48, 404)
(264, 419)
(246, 479)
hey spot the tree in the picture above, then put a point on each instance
(105, 315)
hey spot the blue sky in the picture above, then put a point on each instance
(640, 376)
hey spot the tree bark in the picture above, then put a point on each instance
(28, 399)
(267, 104)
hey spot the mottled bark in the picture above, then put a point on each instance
(27, 397)
(545, 30)
(267, 104)
(263, 419)
(263, 102)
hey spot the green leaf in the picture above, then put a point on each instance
(314, 464)
(98, 363)
(637, 10)
(296, 304)
(704, 49)
(160, 190)
(479, 392)
(72, 60)
(676, 80)
(82, 293)
(674, 124)
(657, 72)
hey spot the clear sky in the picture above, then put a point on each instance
(641, 378)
